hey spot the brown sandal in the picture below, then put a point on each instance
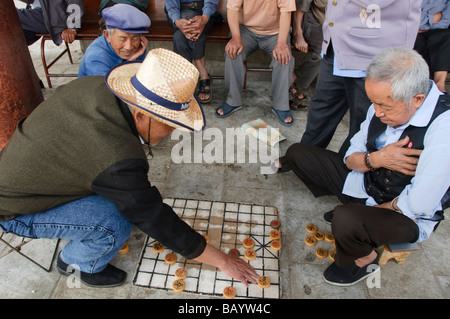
(295, 103)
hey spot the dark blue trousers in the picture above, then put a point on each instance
(333, 97)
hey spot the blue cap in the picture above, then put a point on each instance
(126, 18)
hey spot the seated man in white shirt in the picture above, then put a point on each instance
(394, 179)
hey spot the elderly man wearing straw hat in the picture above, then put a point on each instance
(76, 168)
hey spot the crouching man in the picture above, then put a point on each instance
(394, 179)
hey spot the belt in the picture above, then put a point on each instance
(195, 4)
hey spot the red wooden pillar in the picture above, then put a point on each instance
(20, 92)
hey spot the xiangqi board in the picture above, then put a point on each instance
(226, 225)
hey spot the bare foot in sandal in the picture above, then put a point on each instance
(295, 96)
(204, 92)
(225, 110)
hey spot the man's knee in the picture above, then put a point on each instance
(121, 229)
(293, 151)
(345, 219)
(300, 154)
(104, 214)
(115, 222)
(178, 36)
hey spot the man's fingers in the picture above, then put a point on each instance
(413, 152)
(402, 142)
(408, 172)
(246, 273)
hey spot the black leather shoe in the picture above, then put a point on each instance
(109, 277)
(282, 166)
(349, 275)
(328, 216)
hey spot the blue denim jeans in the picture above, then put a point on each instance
(95, 231)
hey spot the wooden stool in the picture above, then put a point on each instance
(399, 252)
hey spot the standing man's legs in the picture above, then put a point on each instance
(327, 107)
(333, 96)
(434, 46)
(358, 104)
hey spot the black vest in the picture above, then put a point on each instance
(384, 184)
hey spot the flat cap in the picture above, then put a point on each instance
(126, 18)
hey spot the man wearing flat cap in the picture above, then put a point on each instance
(76, 168)
(123, 40)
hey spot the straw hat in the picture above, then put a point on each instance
(162, 86)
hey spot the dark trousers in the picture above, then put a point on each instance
(190, 50)
(32, 21)
(434, 46)
(357, 228)
(307, 72)
(333, 97)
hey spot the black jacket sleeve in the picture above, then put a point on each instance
(126, 184)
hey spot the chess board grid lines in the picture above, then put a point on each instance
(183, 204)
(157, 259)
(259, 246)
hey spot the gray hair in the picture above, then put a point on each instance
(110, 31)
(405, 70)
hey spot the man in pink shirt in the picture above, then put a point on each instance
(259, 25)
